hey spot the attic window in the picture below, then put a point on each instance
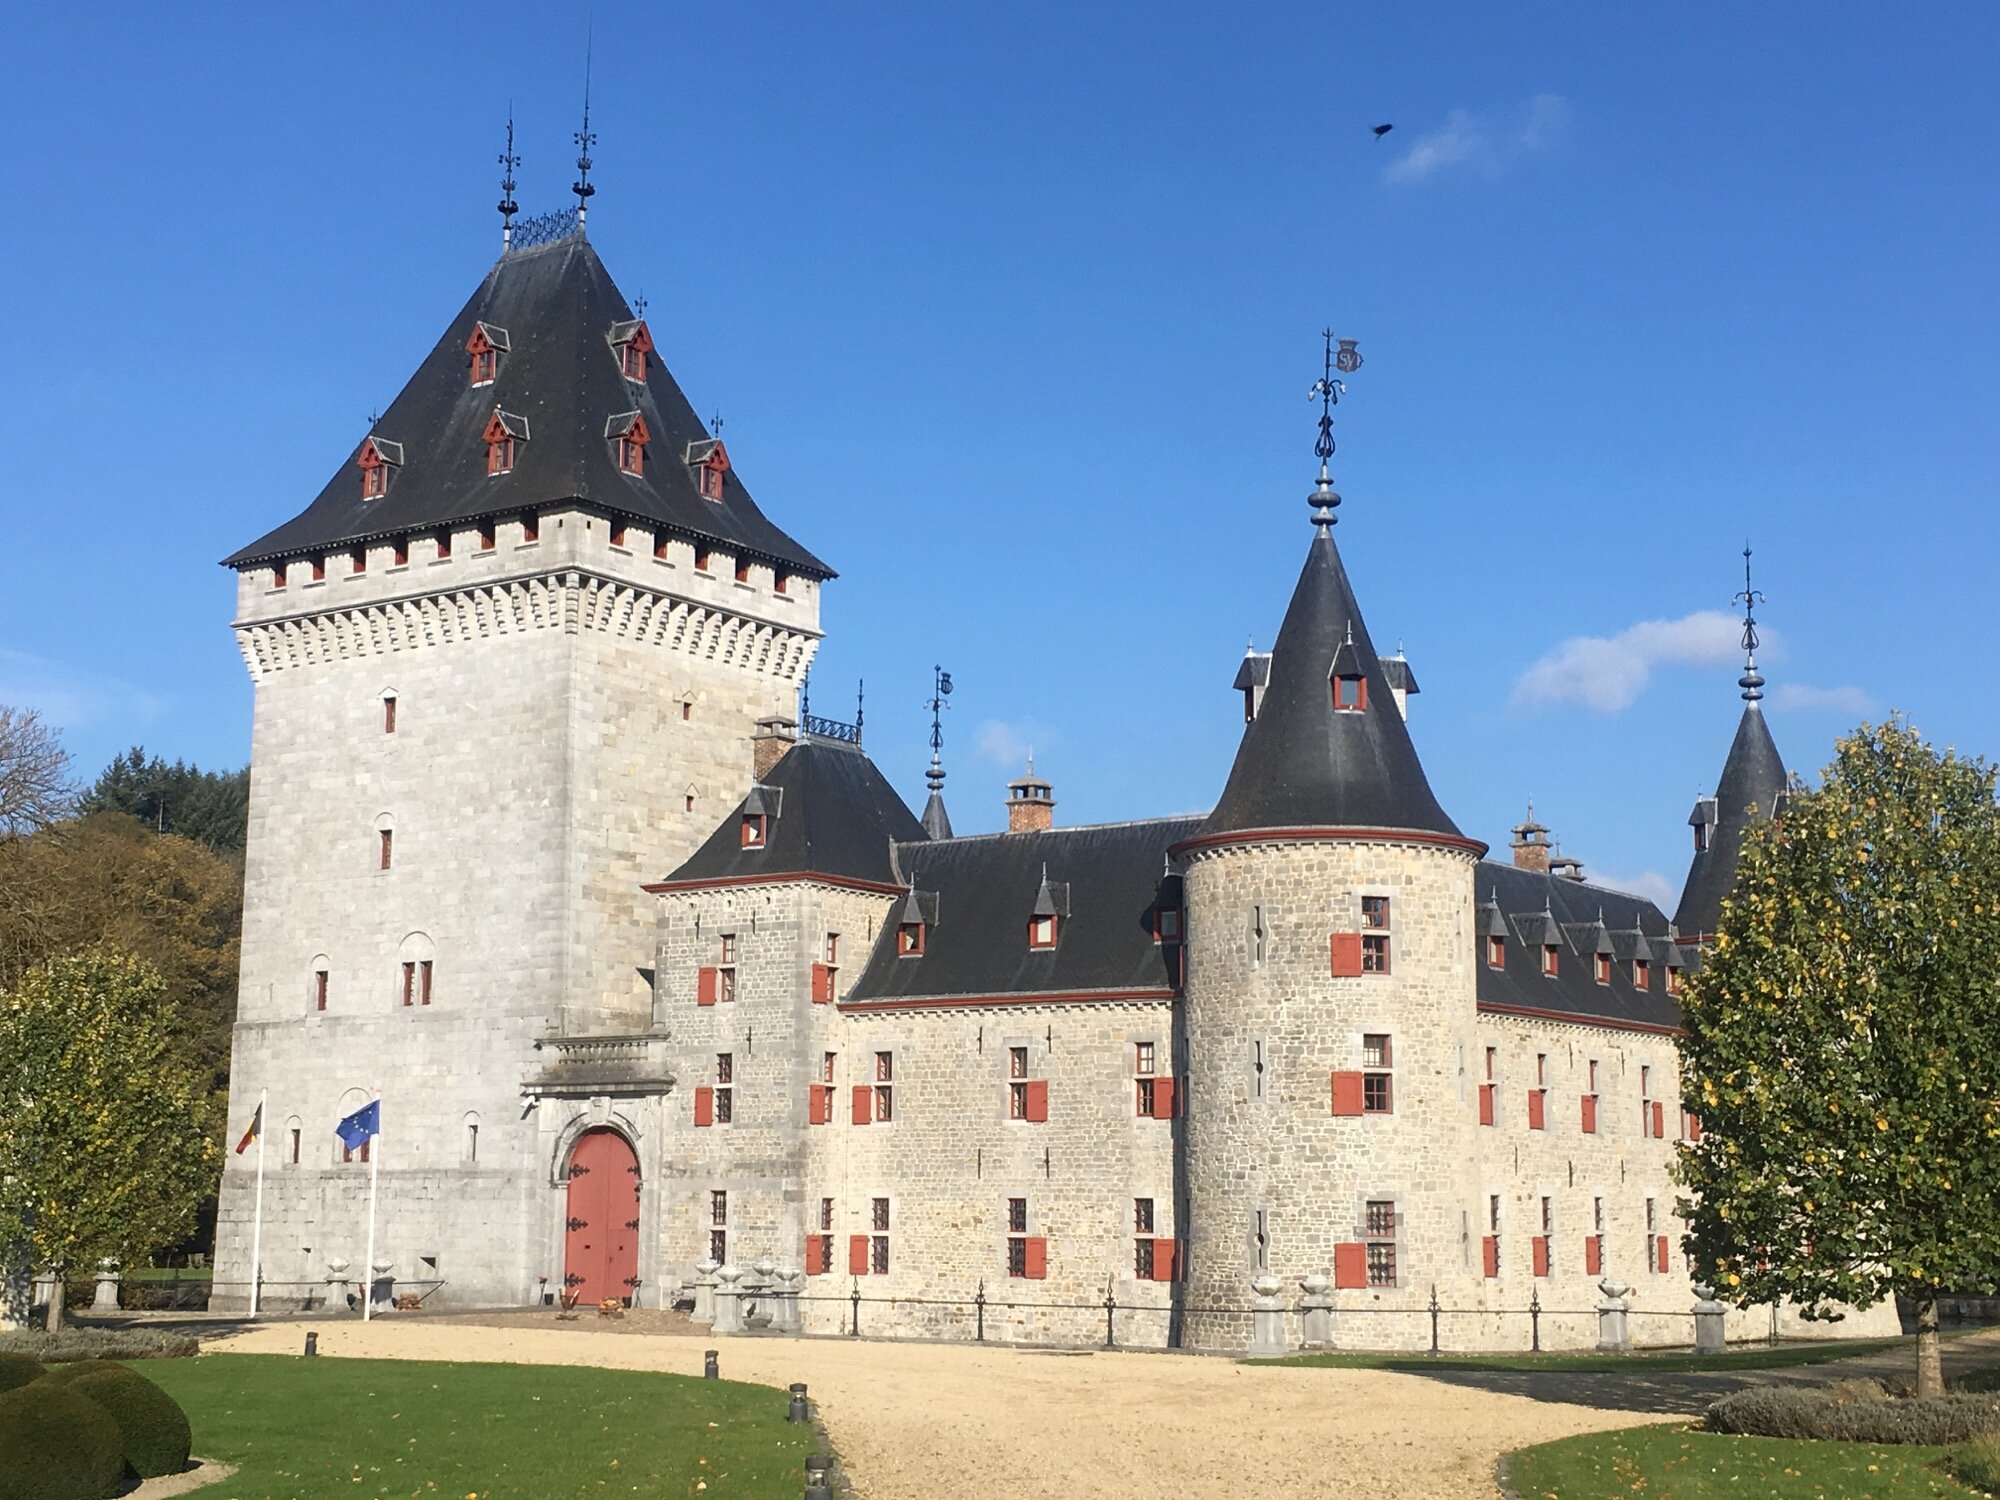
(633, 343)
(1642, 974)
(504, 431)
(1166, 924)
(1042, 931)
(781, 581)
(1700, 838)
(485, 347)
(708, 461)
(629, 436)
(1496, 953)
(1604, 968)
(753, 830)
(1673, 980)
(910, 940)
(1551, 959)
(1350, 694)
(377, 457)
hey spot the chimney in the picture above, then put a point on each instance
(1531, 844)
(1566, 867)
(775, 735)
(1031, 803)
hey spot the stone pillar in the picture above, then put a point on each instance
(758, 1287)
(108, 1278)
(1267, 1319)
(1316, 1308)
(729, 1301)
(336, 1285)
(382, 1285)
(704, 1291)
(1612, 1334)
(45, 1287)
(1708, 1316)
(785, 1301)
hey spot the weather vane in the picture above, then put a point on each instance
(585, 139)
(1328, 390)
(940, 690)
(639, 304)
(508, 207)
(1752, 681)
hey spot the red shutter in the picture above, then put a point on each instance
(864, 1104)
(1659, 1120)
(1660, 1252)
(1163, 1098)
(1541, 1248)
(1346, 955)
(1163, 1260)
(1593, 1255)
(1486, 1103)
(1347, 1094)
(822, 984)
(704, 1105)
(1038, 1104)
(819, 1104)
(815, 1255)
(1350, 1266)
(1694, 1127)
(1489, 1254)
(1535, 1097)
(857, 1255)
(1590, 1114)
(704, 987)
(1035, 1255)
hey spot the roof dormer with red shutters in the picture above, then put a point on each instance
(378, 460)
(627, 433)
(485, 346)
(505, 432)
(708, 462)
(632, 343)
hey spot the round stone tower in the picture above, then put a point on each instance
(1329, 998)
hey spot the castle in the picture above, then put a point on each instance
(652, 972)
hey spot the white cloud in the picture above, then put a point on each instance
(1842, 700)
(67, 697)
(1476, 144)
(1008, 746)
(1607, 673)
(1650, 884)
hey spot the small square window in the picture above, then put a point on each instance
(1375, 911)
(1167, 925)
(910, 939)
(1379, 1219)
(753, 830)
(1382, 1263)
(1376, 1050)
(1041, 932)
(1350, 694)
(1376, 1094)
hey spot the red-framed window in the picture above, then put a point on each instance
(484, 356)
(875, 1104)
(753, 830)
(1027, 1098)
(631, 446)
(1027, 1254)
(704, 560)
(718, 1226)
(1496, 953)
(443, 540)
(374, 471)
(399, 552)
(1603, 968)
(1153, 1255)
(1538, 1096)
(1153, 1093)
(1540, 1246)
(1042, 931)
(1673, 980)
(1350, 694)
(1642, 974)
(1551, 959)
(499, 448)
(819, 1245)
(742, 570)
(632, 352)
(487, 538)
(781, 581)
(708, 480)
(1489, 1247)
(531, 527)
(909, 939)
(319, 569)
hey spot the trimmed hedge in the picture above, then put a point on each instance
(57, 1444)
(96, 1343)
(1853, 1417)
(152, 1429)
(16, 1370)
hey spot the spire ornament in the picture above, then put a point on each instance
(1328, 390)
(940, 691)
(1752, 681)
(508, 207)
(585, 139)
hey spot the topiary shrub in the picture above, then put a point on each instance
(17, 1369)
(63, 1374)
(152, 1428)
(57, 1444)
(1791, 1412)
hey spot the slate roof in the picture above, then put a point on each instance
(557, 304)
(830, 811)
(986, 888)
(1582, 919)
(1753, 780)
(1303, 765)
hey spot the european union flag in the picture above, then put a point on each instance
(361, 1126)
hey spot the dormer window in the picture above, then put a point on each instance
(708, 462)
(1551, 959)
(485, 346)
(504, 431)
(1673, 981)
(628, 436)
(377, 459)
(1350, 694)
(633, 343)
(1603, 968)
(1167, 924)
(1642, 974)
(1496, 953)
(1042, 932)
(753, 830)
(909, 939)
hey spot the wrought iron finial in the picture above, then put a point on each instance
(940, 691)
(508, 207)
(639, 305)
(1328, 390)
(805, 696)
(859, 696)
(585, 139)
(1752, 681)
(715, 425)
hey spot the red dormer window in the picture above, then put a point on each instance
(1496, 953)
(633, 343)
(1604, 968)
(629, 437)
(1700, 837)
(753, 830)
(909, 940)
(1642, 974)
(1350, 694)
(504, 432)
(1166, 924)
(485, 347)
(1042, 931)
(1551, 959)
(1673, 981)
(376, 459)
(708, 461)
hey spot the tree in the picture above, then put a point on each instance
(104, 1154)
(1843, 1045)
(210, 807)
(34, 772)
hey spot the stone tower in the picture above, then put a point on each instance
(1329, 989)
(508, 666)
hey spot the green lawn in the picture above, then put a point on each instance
(303, 1429)
(1677, 1463)
(1761, 1357)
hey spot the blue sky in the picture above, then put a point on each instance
(1010, 314)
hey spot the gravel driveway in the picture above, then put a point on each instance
(918, 1421)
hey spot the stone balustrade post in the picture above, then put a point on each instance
(1613, 1336)
(382, 1284)
(336, 1285)
(1267, 1319)
(1316, 1311)
(759, 1286)
(785, 1301)
(704, 1291)
(108, 1279)
(1708, 1316)
(729, 1300)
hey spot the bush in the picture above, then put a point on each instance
(17, 1369)
(96, 1343)
(1977, 1463)
(152, 1428)
(63, 1374)
(57, 1444)
(1850, 1417)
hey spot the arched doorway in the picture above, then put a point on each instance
(601, 1243)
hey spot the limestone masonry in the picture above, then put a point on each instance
(667, 994)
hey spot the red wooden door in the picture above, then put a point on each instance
(601, 1243)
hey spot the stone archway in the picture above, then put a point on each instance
(601, 1219)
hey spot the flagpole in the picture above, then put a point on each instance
(374, 1170)
(257, 1222)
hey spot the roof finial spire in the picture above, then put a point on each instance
(508, 207)
(1328, 391)
(1752, 681)
(585, 139)
(940, 690)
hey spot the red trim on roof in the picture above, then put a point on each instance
(1321, 835)
(1537, 1013)
(989, 1002)
(659, 887)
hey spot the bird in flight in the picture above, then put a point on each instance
(1382, 130)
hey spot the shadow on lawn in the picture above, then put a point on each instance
(1678, 1393)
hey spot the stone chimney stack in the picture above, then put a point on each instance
(768, 745)
(1531, 844)
(1031, 803)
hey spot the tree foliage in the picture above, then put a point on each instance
(104, 1153)
(210, 807)
(34, 772)
(1843, 1041)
